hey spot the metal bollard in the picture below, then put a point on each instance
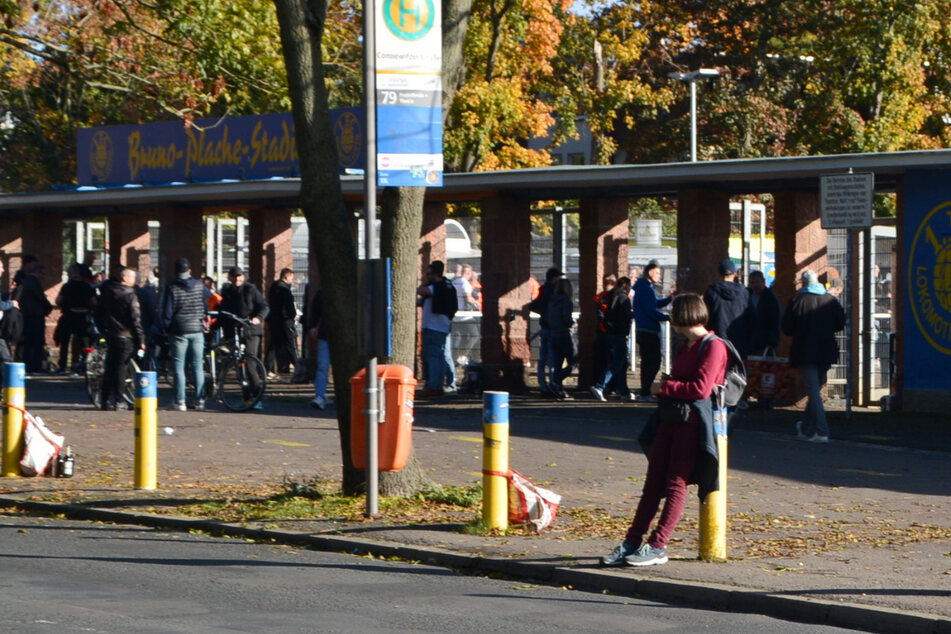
(713, 509)
(14, 393)
(146, 430)
(495, 460)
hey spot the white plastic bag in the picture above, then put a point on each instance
(530, 504)
(40, 446)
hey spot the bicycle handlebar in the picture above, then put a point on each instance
(239, 320)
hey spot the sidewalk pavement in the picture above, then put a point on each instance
(856, 533)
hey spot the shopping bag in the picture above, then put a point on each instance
(40, 446)
(530, 504)
(767, 376)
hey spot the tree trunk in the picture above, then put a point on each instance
(321, 199)
(402, 221)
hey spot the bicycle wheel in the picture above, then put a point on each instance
(242, 383)
(95, 360)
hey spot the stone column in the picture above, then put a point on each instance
(129, 243)
(703, 237)
(180, 236)
(269, 245)
(11, 248)
(506, 260)
(602, 246)
(801, 242)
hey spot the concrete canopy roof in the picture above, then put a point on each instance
(741, 176)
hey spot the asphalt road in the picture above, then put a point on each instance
(66, 576)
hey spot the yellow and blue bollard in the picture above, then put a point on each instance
(495, 460)
(713, 509)
(146, 430)
(14, 403)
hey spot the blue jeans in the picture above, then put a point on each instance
(190, 347)
(450, 363)
(617, 365)
(434, 358)
(544, 358)
(563, 358)
(323, 368)
(813, 378)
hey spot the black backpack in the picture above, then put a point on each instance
(731, 390)
(444, 298)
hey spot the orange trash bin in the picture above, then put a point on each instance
(395, 434)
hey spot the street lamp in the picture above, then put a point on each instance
(692, 78)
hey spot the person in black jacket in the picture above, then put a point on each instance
(35, 306)
(281, 320)
(119, 320)
(539, 305)
(184, 317)
(75, 300)
(244, 300)
(812, 318)
(728, 302)
(617, 324)
(765, 315)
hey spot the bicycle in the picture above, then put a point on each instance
(96, 366)
(239, 377)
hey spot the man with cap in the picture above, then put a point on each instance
(244, 300)
(812, 318)
(647, 318)
(728, 303)
(184, 316)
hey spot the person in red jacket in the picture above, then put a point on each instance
(682, 450)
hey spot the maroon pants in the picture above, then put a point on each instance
(671, 461)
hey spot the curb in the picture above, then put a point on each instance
(705, 595)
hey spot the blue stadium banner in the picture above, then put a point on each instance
(927, 241)
(408, 81)
(240, 148)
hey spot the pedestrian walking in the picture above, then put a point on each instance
(647, 319)
(438, 298)
(75, 301)
(184, 317)
(728, 303)
(560, 320)
(602, 353)
(317, 327)
(35, 306)
(539, 306)
(812, 318)
(678, 438)
(119, 319)
(617, 325)
(282, 325)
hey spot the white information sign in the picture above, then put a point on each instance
(846, 200)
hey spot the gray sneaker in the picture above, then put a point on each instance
(799, 433)
(647, 555)
(818, 438)
(598, 394)
(179, 407)
(619, 554)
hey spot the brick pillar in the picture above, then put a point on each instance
(269, 245)
(603, 244)
(703, 237)
(11, 248)
(180, 236)
(506, 242)
(43, 237)
(432, 246)
(129, 243)
(801, 242)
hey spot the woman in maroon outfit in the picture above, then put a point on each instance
(680, 452)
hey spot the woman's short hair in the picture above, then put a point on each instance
(689, 310)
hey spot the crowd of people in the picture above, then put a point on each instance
(136, 316)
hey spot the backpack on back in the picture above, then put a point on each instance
(444, 299)
(731, 390)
